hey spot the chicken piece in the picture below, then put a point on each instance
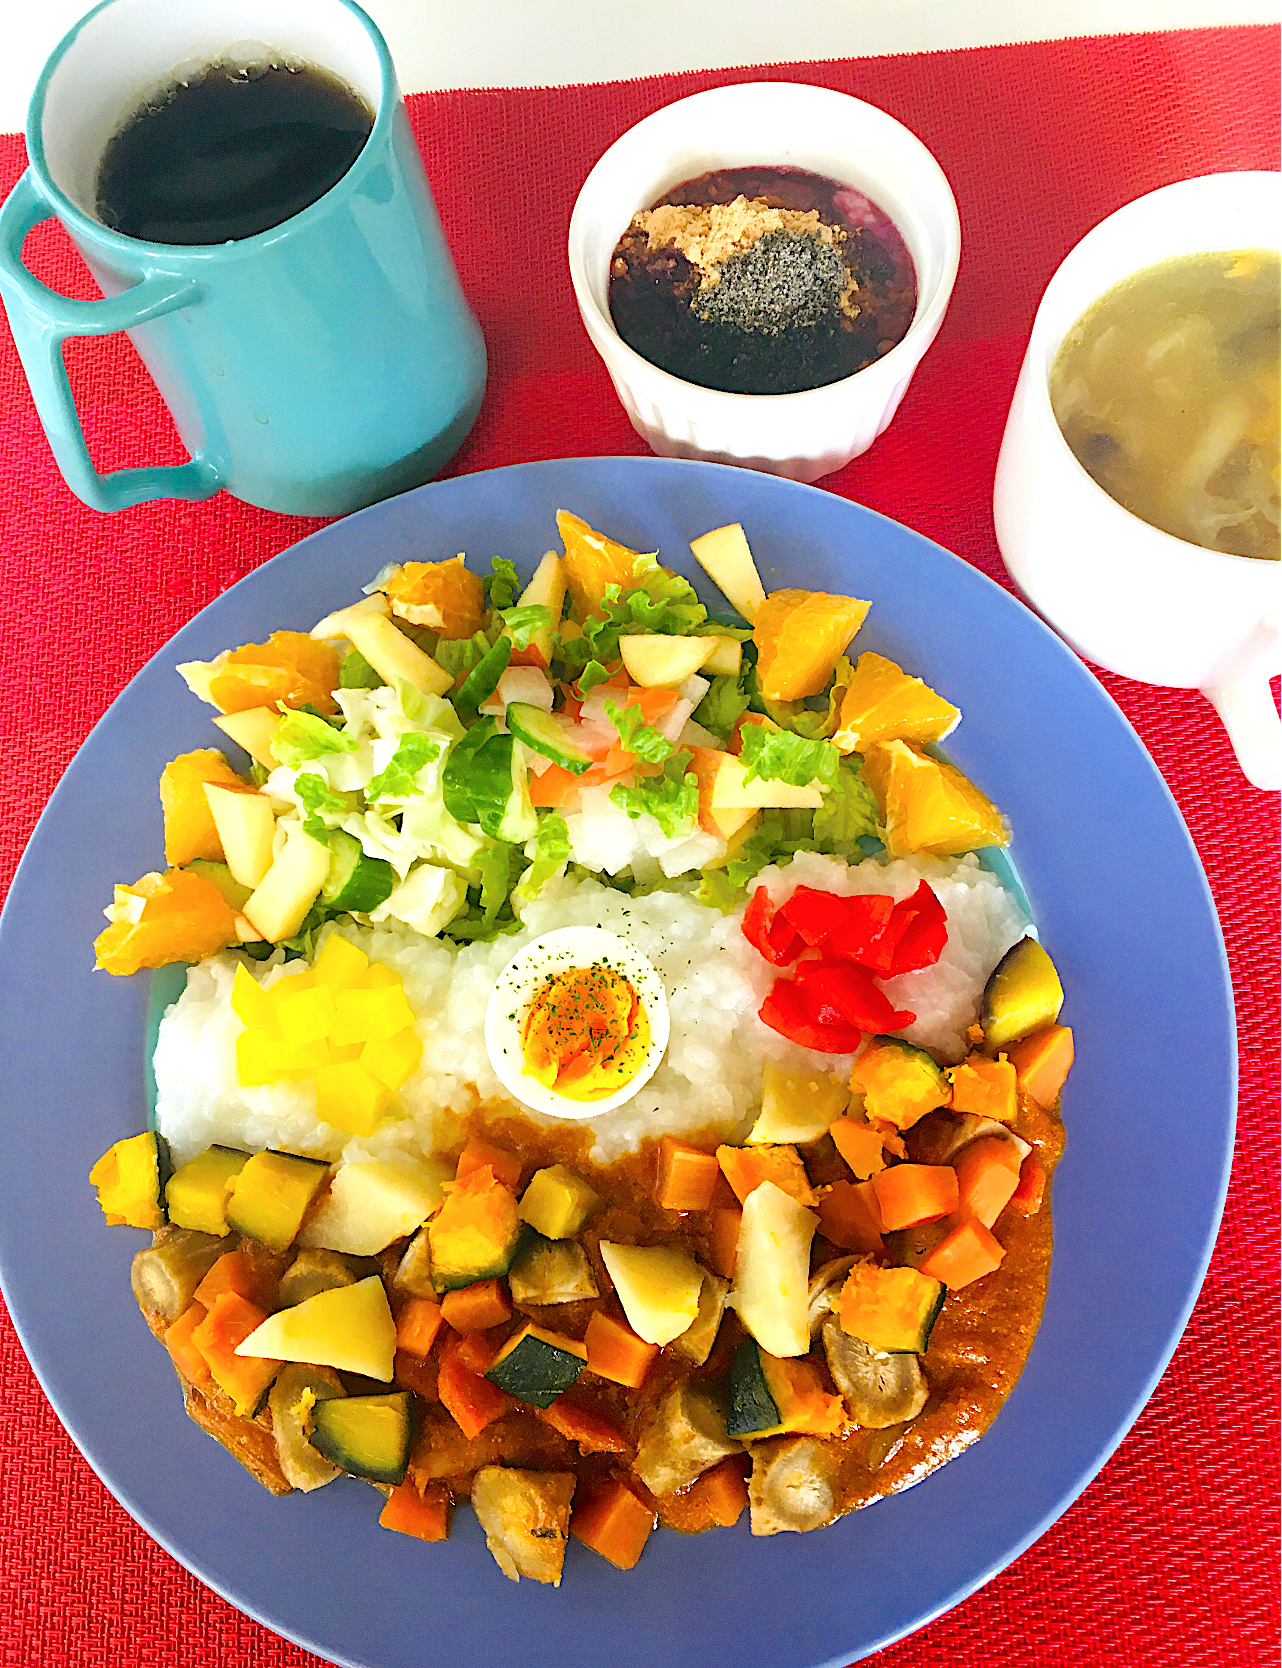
(526, 1519)
(791, 1486)
(250, 1442)
(684, 1436)
(880, 1390)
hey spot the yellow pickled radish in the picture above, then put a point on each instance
(350, 1098)
(393, 1059)
(304, 1016)
(251, 1004)
(883, 703)
(340, 965)
(927, 805)
(370, 1015)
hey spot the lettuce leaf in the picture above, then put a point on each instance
(521, 623)
(592, 675)
(722, 707)
(671, 799)
(848, 813)
(302, 737)
(635, 735)
(495, 864)
(780, 756)
(318, 800)
(398, 778)
(458, 655)
(503, 584)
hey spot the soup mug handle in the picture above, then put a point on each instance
(1244, 701)
(41, 321)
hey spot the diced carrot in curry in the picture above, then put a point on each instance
(687, 1176)
(1042, 1063)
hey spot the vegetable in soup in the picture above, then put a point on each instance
(1167, 390)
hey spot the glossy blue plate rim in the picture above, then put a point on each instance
(1121, 901)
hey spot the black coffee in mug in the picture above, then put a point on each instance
(229, 152)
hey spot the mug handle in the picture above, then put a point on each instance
(1246, 709)
(41, 320)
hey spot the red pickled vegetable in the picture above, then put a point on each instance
(925, 932)
(815, 915)
(774, 938)
(849, 991)
(868, 933)
(785, 1010)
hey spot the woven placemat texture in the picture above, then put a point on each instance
(1170, 1557)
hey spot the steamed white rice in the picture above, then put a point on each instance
(715, 982)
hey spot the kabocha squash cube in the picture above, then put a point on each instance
(349, 1328)
(537, 1366)
(162, 918)
(900, 1083)
(476, 1233)
(270, 1197)
(890, 1309)
(197, 1194)
(883, 703)
(289, 668)
(800, 637)
(557, 1202)
(927, 805)
(130, 1178)
(1023, 995)
(443, 596)
(769, 1395)
(189, 823)
(366, 1436)
(593, 562)
(985, 1088)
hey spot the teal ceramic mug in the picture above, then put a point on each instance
(320, 365)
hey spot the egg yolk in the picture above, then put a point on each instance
(586, 1033)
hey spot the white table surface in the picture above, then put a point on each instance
(530, 43)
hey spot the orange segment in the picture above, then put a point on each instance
(927, 805)
(288, 668)
(592, 562)
(182, 917)
(882, 703)
(189, 826)
(441, 595)
(800, 637)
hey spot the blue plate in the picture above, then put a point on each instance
(1121, 902)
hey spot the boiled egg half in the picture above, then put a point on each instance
(576, 1023)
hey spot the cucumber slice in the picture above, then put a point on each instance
(235, 895)
(355, 881)
(457, 777)
(481, 682)
(501, 792)
(542, 734)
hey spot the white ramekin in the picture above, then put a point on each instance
(779, 124)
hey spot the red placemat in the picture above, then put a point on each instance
(1170, 1558)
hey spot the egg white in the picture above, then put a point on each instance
(514, 990)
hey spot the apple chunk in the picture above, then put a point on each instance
(724, 556)
(546, 590)
(725, 660)
(254, 729)
(729, 789)
(656, 661)
(246, 827)
(724, 822)
(279, 905)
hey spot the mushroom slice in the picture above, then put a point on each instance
(825, 1289)
(939, 1139)
(296, 1391)
(684, 1436)
(791, 1486)
(526, 1519)
(880, 1390)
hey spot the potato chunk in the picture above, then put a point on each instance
(526, 1519)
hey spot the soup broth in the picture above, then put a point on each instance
(1167, 390)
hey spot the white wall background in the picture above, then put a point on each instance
(498, 43)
